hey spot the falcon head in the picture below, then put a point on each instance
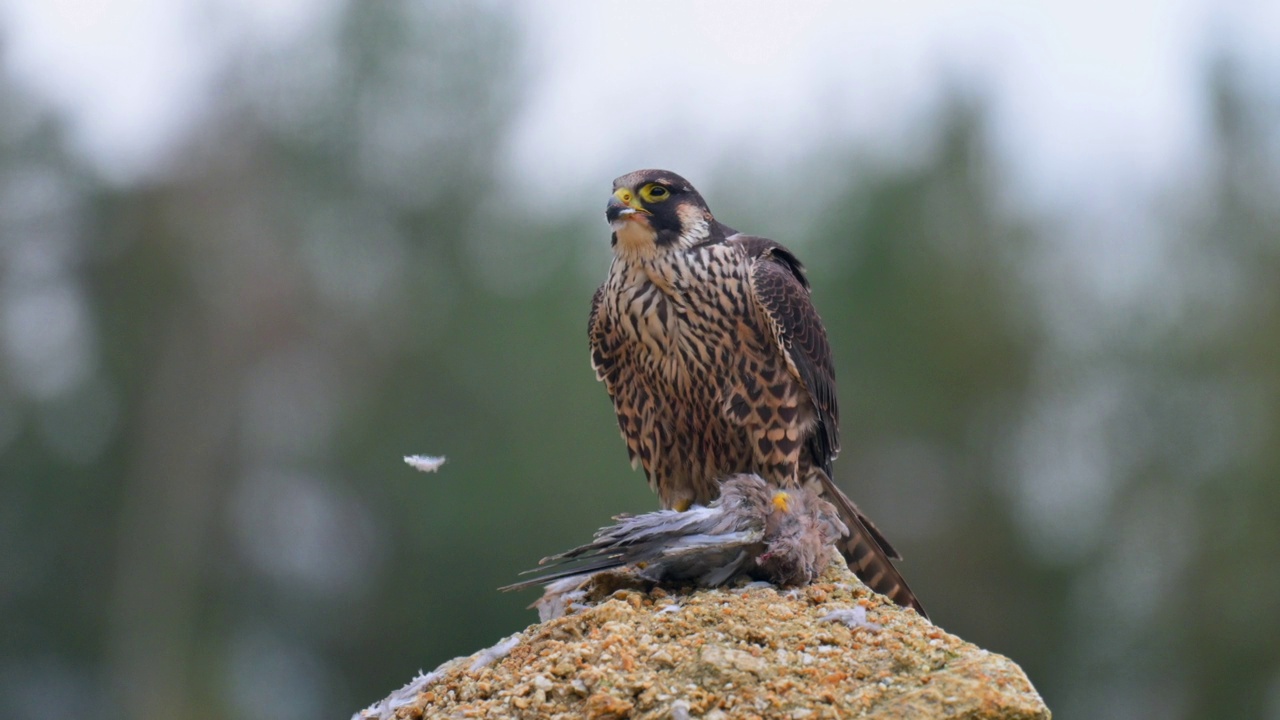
(656, 211)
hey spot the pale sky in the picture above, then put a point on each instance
(1088, 97)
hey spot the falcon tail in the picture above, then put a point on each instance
(867, 553)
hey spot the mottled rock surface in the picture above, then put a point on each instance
(829, 650)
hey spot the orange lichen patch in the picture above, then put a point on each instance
(726, 653)
(606, 707)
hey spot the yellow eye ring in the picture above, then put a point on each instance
(654, 192)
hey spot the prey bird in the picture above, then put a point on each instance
(718, 364)
(752, 531)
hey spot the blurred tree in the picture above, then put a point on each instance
(58, 417)
(1221, 449)
(304, 250)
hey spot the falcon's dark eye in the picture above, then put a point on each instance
(654, 192)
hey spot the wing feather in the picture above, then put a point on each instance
(782, 292)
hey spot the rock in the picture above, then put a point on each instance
(833, 649)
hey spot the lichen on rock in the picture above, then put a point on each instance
(631, 649)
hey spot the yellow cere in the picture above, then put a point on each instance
(628, 199)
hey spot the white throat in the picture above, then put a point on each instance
(636, 240)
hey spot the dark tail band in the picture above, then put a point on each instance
(867, 553)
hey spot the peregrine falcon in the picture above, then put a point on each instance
(717, 362)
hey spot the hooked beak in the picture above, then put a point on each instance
(623, 205)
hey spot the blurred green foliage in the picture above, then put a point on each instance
(209, 380)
